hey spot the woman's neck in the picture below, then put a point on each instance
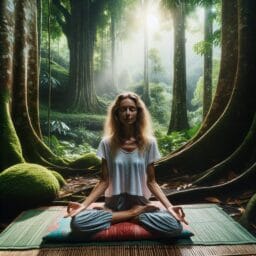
(128, 132)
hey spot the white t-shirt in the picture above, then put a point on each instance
(127, 171)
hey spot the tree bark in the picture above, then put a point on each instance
(146, 91)
(233, 135)
(207, 95)
(179, 120)
(19, 87)
(229, 130)
(228, 65)
(113, 49)
(80, 30)
(10, 150)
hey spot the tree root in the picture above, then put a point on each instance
(243, 155)
(242, 183)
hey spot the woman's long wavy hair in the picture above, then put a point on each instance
(143, 124)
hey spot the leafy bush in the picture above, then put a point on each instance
(160, 101)
(56, 146)
(45, 81)
(169, 143)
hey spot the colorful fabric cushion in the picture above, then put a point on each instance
(60, 231)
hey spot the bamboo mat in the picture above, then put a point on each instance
(159, 250)
(202, 218)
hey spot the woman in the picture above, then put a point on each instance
(128, 151)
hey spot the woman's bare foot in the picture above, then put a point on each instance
(138, 209)
(131, 214)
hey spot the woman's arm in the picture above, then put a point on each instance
(74, 208)
(153, 186)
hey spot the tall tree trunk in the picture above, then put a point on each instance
(231, 128)
(39, 26)
(146, 91)
(207, 95)
(80, 30)
(81, 41)
(10, 150)
(113, 50)
(179, 120)
(20, 82)
(228, 65)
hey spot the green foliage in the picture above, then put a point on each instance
(160, 101)
(198, 93)
(59, 127)
(27, 185)
(203, 47)
(55, 29)
(58, 73)
(77, 119)
(89, 160)
(45, 81)
(195, 117)
(169, 143)
(155, 66)
(56, 146)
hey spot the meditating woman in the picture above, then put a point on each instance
(128, 152)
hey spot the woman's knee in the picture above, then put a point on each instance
(161, 222)
(91, 221)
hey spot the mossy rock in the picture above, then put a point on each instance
(88, 161)
(60, 179)
(24, 186)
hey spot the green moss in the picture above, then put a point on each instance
(10, 150)
(60, 179)
(71, 117)
(249, 216)
(26, 185)
(89, 160)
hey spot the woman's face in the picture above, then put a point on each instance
(127, 112)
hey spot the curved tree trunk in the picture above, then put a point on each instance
(237, 124)
(229, 130)
(179, 120)
(10, 150)
(19, 88)
(233, 188)
(241, 159)
(228, 65)
(229, 53)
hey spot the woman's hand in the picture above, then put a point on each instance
(178, 213)
(74, 208)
